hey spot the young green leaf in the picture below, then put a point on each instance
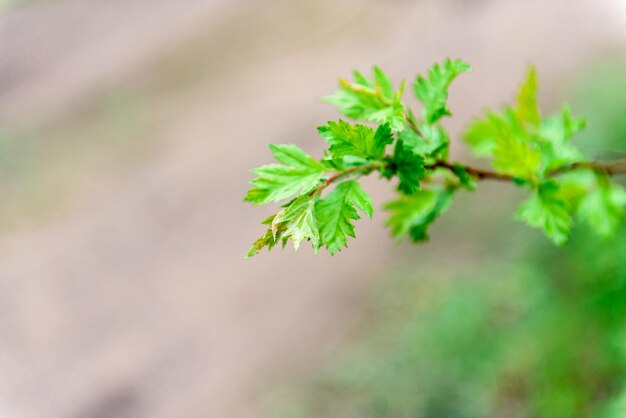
(555, 136)
(483, 132)
(409, 167)
(603, 208)
(269, 239)
(433, 141)
(414, 214)
(393, 114)
(432, 90)
(336, 212)
(545, 210)
(466, 180)
(527, 108)
(297, 221)
(516, 156)
(370, 100)
(299, 173)
(562, 127)
(383, 82)
(574, 185)
(359, 141)
(518, 138)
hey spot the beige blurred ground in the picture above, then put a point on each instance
(127, 128)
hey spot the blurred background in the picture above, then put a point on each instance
(127, 129)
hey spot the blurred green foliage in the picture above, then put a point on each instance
(540, 334)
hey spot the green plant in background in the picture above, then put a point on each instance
(542, 337)
(525, 148)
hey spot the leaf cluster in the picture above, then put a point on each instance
(321, 198)
(538, 153)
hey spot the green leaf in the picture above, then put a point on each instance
(336, 212)
(434, 142)
(555, 136)
(466, 180)
(545, 210)
(519, 122)
(521, 143)
(382, 138)
(297, 221)
(527, 108)
(372, 100)
(603, 208)
(269, 239)
(414, 214)
(358, 141)
(432, 91)
(483, 133)
(574, 185)
(562, 127)
(515, 156)
(300, 173)
(409, 167)
(383, 82)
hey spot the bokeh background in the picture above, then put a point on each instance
(127, 129)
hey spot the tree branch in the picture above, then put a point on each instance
(477, 173)
(610, 168)
(340, 174)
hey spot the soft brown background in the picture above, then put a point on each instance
(127, 128)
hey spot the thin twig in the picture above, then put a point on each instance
(340, 174)
(477, 173)
(610, 168)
